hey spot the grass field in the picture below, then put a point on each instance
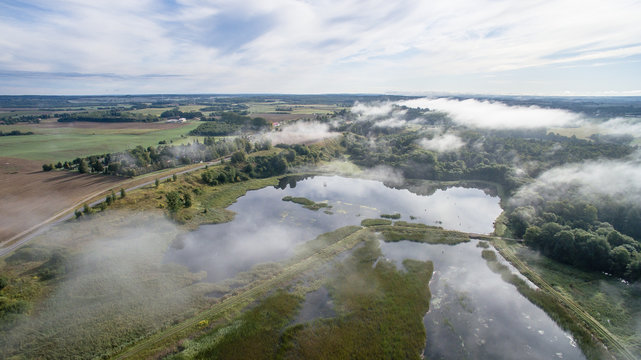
(257, 108)
(379, 311)
(580, 304)
(52, 144)
(96, 295)
(615, 304)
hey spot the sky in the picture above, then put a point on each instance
(550, 47)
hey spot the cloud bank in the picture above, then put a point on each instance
(497, 115)
(300, 132)
(593, 179)
(442, 143)
(622, 126)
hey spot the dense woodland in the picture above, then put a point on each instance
(230, 123)
(107, 116)
(603, 235)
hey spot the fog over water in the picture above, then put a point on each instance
(268, 229)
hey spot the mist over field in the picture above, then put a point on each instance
(618, 179)
(299, 132)
(114, 285)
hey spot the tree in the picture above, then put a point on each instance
(122, 193)
(633, 272)
(157, 183)
(564, 246)
(174, 177)
(174, 202)
(532, 236)
(82, 167)
(86, 209)
(238, 157)
(47, 167)
(619, 260)
(187, 200)
(97, 166)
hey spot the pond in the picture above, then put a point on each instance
(268, 229)
(474, 314)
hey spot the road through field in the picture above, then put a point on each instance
(18, 240)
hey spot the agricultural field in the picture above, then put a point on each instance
(54, 141)
(296, 109)
(30, 196)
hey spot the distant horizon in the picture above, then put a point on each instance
(400, 94)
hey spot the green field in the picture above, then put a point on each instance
(615, 304)
(270, 107)
(67, 143)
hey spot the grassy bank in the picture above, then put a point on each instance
(379, 315)
(590, 333)
(402, 230)
(90, 285)
(613, 304)
(307, 203)
(230, 306)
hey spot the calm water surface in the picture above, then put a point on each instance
(474, 314)
(267, 229)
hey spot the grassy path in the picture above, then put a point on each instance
(244, 296)
(593, 324)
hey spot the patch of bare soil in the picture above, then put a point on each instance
(29, 196)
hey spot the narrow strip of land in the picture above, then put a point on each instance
(593, 324)
(246, 295)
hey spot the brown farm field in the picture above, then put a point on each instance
(30, 196)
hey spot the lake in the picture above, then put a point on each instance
(268, 229)
(474, 314)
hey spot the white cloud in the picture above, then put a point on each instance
(497, 115)
(302, 46)
(616, 178)
(622, 126)
(371, 110)
(442, 143)
(300, 132)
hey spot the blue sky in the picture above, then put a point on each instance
(556, 47)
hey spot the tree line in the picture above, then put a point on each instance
(141, 160)
(230, 123)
